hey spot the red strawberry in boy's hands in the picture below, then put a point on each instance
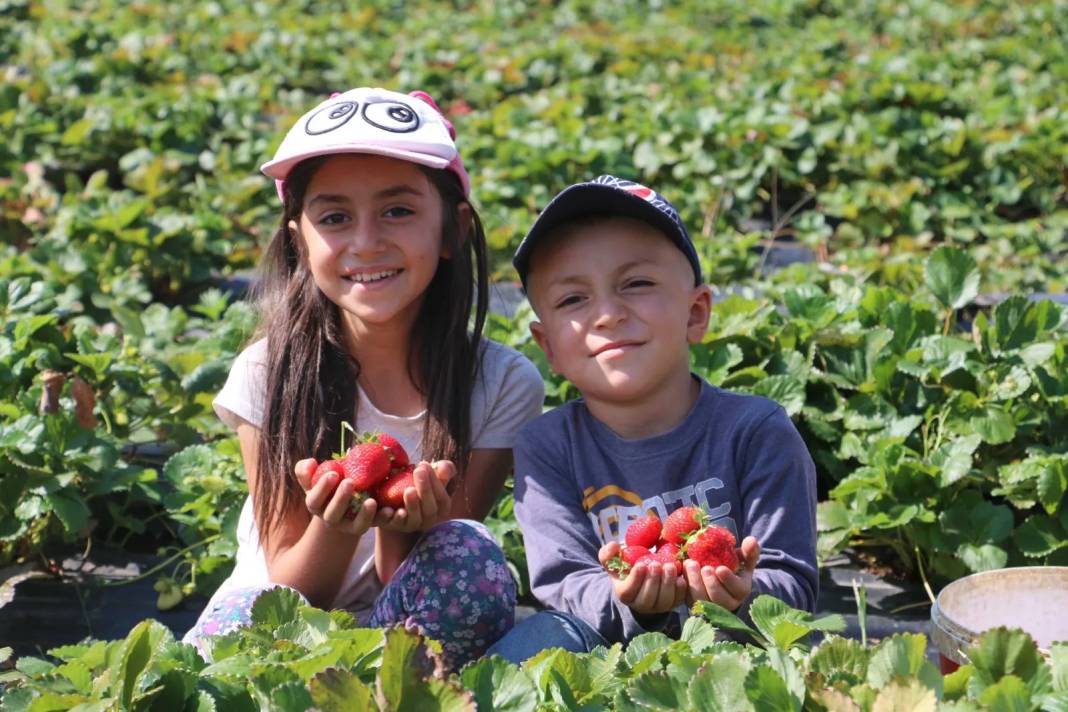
(681, 523)
(394, 448)
(644, 532)
(391, 492)
(713, 547)
(366, 465)
(667, 553)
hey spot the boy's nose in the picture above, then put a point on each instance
(610, 312)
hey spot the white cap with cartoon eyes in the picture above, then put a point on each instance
(371, 120)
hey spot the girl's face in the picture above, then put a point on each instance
(372, 233)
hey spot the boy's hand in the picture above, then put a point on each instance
(334, 506)
(425, 504)
(648, 588)
(721, 585)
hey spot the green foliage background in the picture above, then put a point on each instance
(872, 132)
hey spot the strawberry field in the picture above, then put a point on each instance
(879, 194)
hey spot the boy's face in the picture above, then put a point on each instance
(617, 308)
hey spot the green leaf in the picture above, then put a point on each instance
(721, 618)
(994, 426)
(985, 557)
(952, 276)
(644, 645)
(658, 691)
(901, 695)
(1008, 694)
(499, 685)
(1058, 660)
(136, 652)
(336, 690)
(902, 655)
(788, 391)
(767, 691)
(1040, 536)
(71, 509)
(842, 657)
(784, 626)
(1001, 652)
(1052, 484)
(1018, 322)
(954, 458)
(276, 606)
(719, 686)
(699, 634)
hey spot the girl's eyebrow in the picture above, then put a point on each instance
(390, 192)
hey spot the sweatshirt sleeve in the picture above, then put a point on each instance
(560, 541)
(778, 492)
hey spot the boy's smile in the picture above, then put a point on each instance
(617, 310)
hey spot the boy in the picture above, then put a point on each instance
(615, 282)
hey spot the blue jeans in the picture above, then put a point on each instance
(546, 629)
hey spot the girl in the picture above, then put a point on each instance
(367, 295)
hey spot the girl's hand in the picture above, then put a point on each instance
(721, 585)
(648, 588)
(425, 504)
(335, 507)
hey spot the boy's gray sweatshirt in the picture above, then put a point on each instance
(579, 485)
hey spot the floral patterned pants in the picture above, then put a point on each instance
(454, 586)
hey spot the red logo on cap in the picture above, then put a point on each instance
(640, 190)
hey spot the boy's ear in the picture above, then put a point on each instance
(700, 311)
(542, 339)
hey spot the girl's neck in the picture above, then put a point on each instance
(382, 352)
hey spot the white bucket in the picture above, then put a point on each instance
(1033, 598)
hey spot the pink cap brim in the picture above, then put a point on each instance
(279, 170)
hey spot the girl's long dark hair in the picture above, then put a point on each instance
(310, 384)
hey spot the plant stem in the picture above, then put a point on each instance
(163, 564)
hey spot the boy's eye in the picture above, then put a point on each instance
(398, 212)
(640, 282)
(568, 301)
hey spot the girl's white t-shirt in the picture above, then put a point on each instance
(508, 392)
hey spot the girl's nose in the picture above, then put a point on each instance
(364, 238)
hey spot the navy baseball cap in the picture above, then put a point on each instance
(611, 197)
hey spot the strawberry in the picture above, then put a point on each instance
(325, 468)
(366, 465)
(644, 532)
(713, 546)
(391, 492)
(393, 447)
(681, 524)
(633, 554)
(628, 556)
(668, 553)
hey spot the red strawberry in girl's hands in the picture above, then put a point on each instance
(326, 468)
(644, 532)
(366, 465)
(394, 448)
(681, 523)
(391, 492)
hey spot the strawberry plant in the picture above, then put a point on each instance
(294, 657)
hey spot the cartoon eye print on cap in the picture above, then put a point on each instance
(330, 117)
(393, 116)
